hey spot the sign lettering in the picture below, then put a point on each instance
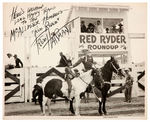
(103, 42)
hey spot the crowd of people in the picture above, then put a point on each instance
(91, 27)
(98, 28)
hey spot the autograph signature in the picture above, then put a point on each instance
(50, 39)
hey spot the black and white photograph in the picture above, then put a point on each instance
(74, 60)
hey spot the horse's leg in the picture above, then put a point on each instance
(41, 105)
(100, 110)
(35, 101)
(77, 104)
(100, 104)
(87, 98)
(44, 104)
(104, 107)
(71, 106)
(60, 94)
(48, 105)
(34, 94)
(104, 100)
(104, 94)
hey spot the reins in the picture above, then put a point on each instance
(83, 81)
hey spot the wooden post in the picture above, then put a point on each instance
(128, 39)
(27, 63)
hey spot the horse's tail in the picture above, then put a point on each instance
(41, 98)
(40, 95)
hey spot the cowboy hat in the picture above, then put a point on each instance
(15, 56)
(126, 69)
(85, 51)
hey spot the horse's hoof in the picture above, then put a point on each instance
(73, 114)
(50, 114)
(100, 114)
(105, 113)
(43, 114)
(77, 114)
(72, 110)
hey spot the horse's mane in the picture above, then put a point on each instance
(105, 67)
(106, 64)
(106, 72)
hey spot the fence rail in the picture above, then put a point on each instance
(14, 85)
(19, 83)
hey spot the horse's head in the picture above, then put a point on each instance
(94, 72)
(115, 67)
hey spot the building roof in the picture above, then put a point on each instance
(109, 6)
(96, 6)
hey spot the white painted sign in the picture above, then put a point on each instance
(103, 42)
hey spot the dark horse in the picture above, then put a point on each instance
(106, 72)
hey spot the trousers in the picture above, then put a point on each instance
(128, 93)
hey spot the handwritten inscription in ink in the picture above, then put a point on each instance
(16, 13)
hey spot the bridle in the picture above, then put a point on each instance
(117, 70)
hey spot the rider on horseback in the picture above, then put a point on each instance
(86, 60)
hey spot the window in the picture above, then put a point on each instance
(91, 25)
(112, 25)
(102, 25)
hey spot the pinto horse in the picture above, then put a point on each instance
(59, 88)
(106, 72)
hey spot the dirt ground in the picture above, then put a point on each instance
(116, 107)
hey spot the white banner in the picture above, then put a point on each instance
(103, 42)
